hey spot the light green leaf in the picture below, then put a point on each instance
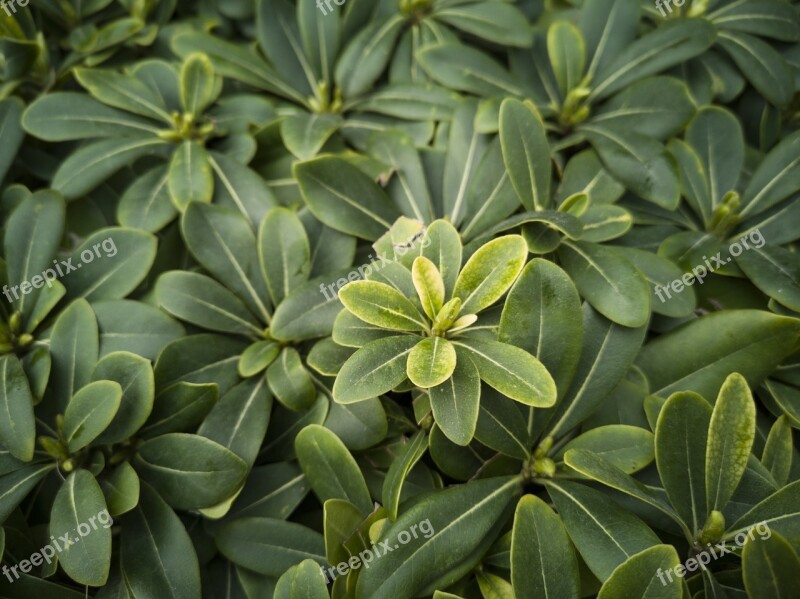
(637, 576)
(512, 371)
(490, 272)
(190, 178)
(777, 455)
(406, 458)
(567, 52)
(730, 439)
(381, 305)
(431, 362)
(198, 86)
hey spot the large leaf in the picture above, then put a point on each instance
(730, 439)
(543, 561)
(696, 357)
(189, 471)
(526, 152)
(86, 558)
(17, 425)
(636, 577)
(680, 445)
(460, 519)
(156, 553)
(604, 534)
(330, 469)
(344, 198)
(611, 283)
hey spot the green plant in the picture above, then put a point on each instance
(387, 299)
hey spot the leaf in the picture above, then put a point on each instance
(89, 413)
(201, 301)
(304, 580)
(490, 272)
(74, 349)
(603, 223)
(775, 271)
(126, 257)
(431, 362)
(238, 421)
(135, 375)
(269, 546)
(189, 471)
(777, 455)
(768, 567)
(467, 69)
(77, 508)
(223, 242)
(306, 134)
(730, 439)
(17, 424)
(460, 519)
(344, 198)
(32, 236)
(121, 489)
(567, 52)
(607, 354)
(307, 313)
(502, 427)
(240, 187)
(381, 305)
(321, 37)
(629, 448)
(127, 325)
(716, 136)
(190, 178)
(271, 491)
(365, 57)
(681, 455)
(768, 19)
(146, 203)
(604, 534)
(290, 382)
(330, 468)
(123, 92)
(754, 342)
(405, 460)
(63, 116)
(197, 84)
(543, 562)
(11, 117)
(672, 43)
(16, 484)
(456, 401)
(512, 371)
(180, 408)
(776, 178)
(608, 26)
(500, 23)
(636, 577)
(542, 315)
(763, 66)
(93, 163)
(429, 285)
(608, 281)
(526, 152)
(156, 553)
(639, 162)
(418, 101)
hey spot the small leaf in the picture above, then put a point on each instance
(730, 438)
(198, 86)
(431, 362)
(429, 284)
(190, 178)
(381, 305)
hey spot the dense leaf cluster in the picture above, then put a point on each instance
(462, 299)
